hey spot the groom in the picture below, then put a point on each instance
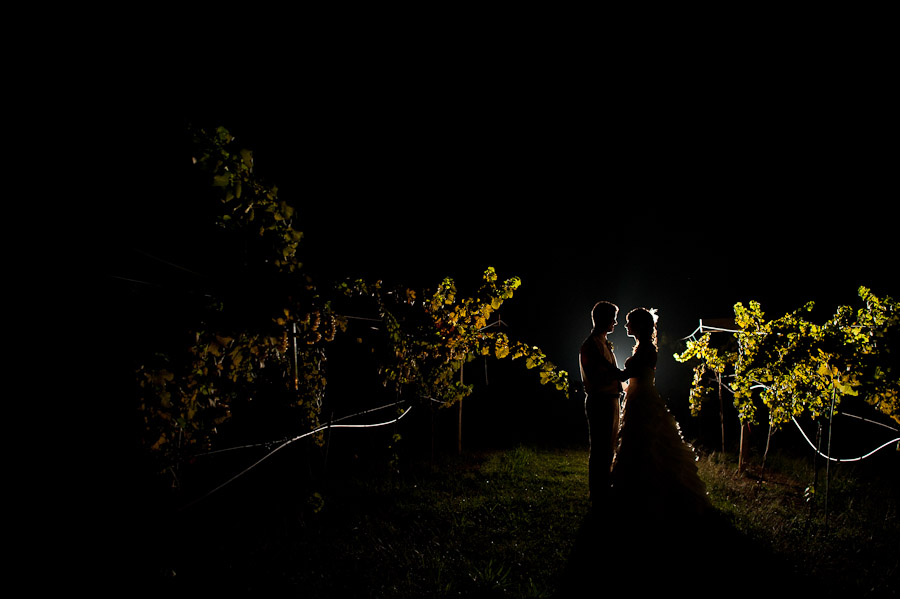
(602, 388)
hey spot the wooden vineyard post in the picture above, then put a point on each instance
(459, 427)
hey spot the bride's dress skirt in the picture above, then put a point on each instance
(654, 470)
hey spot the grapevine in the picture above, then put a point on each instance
(804, 367)
(272, 338)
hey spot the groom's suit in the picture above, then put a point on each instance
(603, 387)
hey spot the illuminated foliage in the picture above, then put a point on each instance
(710, 359)
(249, 205)
(427, 342)
(799, 366)
(277, 346)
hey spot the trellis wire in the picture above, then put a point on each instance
(287, 442)
(829, 457)
(857, 459)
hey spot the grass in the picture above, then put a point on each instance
(849, 547)
(489, 522)
(505, 523)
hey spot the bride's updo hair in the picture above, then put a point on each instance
(643, 324)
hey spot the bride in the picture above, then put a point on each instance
(654, 470)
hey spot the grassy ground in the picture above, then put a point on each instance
(849, 545)
(516, 523)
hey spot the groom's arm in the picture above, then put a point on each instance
(598, 371)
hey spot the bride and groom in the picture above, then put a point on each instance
(638, 458)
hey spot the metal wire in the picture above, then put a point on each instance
(292, 440)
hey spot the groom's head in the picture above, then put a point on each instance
(604, 315)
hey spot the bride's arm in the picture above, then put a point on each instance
(626, 373)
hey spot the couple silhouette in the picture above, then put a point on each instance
(646, 494)
(651, 528)
(638, 458)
